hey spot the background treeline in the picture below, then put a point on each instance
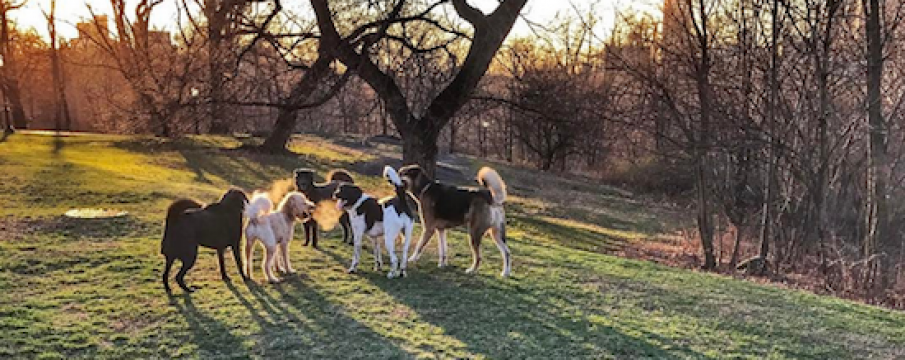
(779, 122)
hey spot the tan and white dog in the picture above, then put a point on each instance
(445, 206)
(274, 229)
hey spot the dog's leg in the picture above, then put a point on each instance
(475, 237)
(284, 250)
(166, 274)
(308, 230)
(347, 228)
(314, 233)
(425, 237)
(270, 256)
(409, 228)
(442, 249)
(223, 275)
(499, 236)
(249, 254)
(286, 242)
(378, 257)
(357, 252)
(237, 254)
(389, 238)
(187, 263)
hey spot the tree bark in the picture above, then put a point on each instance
(216, 22)
(62, 118)
(702, 143)
(8, 71)
(878, 235)
(287, 116)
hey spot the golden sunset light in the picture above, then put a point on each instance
(452, 179)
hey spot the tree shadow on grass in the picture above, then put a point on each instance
(573, 236)
(235, 167)
(213, 338)
(516, 321)
(511, 320)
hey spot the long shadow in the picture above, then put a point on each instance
(504, 321)
(238, 171)
(210, 335)
(316, 326)
(515, 320)
(574, 237)
(58, 144)
(729, 307)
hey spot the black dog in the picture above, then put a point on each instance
(304, 181)
(188, 225)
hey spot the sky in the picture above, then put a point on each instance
(69, 12)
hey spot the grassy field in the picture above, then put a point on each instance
(90, 288)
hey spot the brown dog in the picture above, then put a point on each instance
(189, 225)
(445, 206)
(317, 192)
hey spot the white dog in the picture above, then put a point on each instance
(388, 217)
(273, 228)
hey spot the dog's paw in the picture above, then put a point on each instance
(351, 271)
(391, 275)
(402, 273)
(470, 270)
(413, 258)
(505, 274)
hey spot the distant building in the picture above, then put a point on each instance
(96, 30)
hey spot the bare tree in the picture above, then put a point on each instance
(9, 69)
(62, 116)
(420, 128)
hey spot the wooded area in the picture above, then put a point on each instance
(780, 122)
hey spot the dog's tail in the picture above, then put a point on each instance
(340, 175)
(490, 179)
(390, 174)
(259, 205)
(174, 214)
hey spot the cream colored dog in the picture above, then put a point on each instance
(274, 229)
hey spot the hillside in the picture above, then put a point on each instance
(90, 288)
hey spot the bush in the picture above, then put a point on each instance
(652, 175)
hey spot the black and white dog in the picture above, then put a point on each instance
(388, 218)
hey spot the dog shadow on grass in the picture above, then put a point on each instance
(212, 337)
(296, 320)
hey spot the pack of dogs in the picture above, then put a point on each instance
(222, 225)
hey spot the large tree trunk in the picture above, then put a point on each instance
(702, 144)
(14, 100)
(8, 73)
(278, 139)
(878, 235)
(419, 144)
(216, 18)
(421, 150)
(705, 219)
(62, 119)
(288, 114)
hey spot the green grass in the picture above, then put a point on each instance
(90, 288)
